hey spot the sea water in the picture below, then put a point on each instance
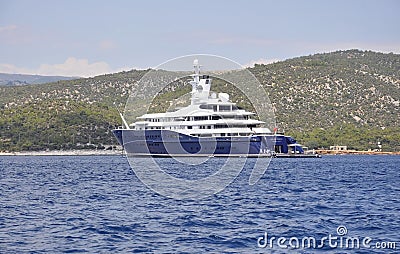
(97, 204)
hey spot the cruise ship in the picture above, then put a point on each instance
(211, 126)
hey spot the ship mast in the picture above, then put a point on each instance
(196, 67)
(200, 85)
(196, 80)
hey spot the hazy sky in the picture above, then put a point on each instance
(86, 38)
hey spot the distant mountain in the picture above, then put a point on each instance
(26, 79)
(347, 97)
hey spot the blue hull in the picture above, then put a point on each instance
(170, 143)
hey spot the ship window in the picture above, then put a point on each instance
(215, 108)
(207, 81)
(207, 106)
(189, 127)
(200, 118)
(228, 117)
(220, 126)
(215, 117)
(222, 134)
(224, 108)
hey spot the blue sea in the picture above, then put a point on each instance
(97, 204)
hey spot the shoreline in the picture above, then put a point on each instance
(354, 152)
(121, 152)
(64, 153)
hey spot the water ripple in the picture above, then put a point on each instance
(96, 204)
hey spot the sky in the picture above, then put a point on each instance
(92, 37)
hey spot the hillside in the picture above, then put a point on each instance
(345, 97)
(349, 87)
(65, 114)
(25, 79)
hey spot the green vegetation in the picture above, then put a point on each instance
(45, 126)
(341, 98)
(357, 138)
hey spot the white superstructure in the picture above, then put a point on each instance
(208, 115)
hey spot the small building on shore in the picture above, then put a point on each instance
(338, 148)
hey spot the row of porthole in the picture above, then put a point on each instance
(153, 144)
(153, 136)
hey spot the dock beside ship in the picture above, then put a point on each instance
(285, 155)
